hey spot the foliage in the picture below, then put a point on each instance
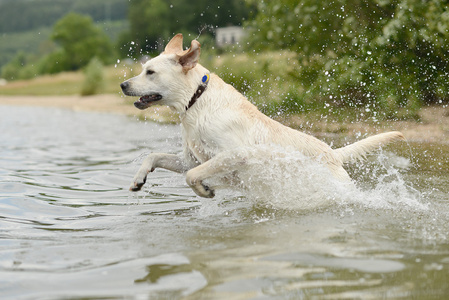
(383, 55)
(153, 22)
(23, 15)
(26, 25)
(34, 42)
(80, 40)
(12, 70)
(93, 78)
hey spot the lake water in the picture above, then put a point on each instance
(69, 228)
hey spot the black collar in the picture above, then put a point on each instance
(199, 90)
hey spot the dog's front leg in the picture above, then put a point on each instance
(221, 166)
(195, 177)
(169, 162)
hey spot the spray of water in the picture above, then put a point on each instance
(287, 180)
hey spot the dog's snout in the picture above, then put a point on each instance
(124, 85)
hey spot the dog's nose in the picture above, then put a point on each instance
(124, 85)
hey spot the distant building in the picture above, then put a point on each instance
(228, 35)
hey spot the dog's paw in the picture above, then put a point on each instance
(198, 186)
(137, 184)
(203, 190)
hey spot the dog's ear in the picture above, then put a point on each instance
(189, 58)
(175, 45)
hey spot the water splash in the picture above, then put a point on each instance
(277, 178)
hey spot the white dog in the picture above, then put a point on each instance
(216, 118)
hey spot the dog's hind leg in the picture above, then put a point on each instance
(169, 162)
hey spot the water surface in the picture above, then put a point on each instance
(69, 228)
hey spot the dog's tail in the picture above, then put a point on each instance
(359, 149)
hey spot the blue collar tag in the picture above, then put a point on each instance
(205, 78)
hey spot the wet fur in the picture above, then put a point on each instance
(222, 119)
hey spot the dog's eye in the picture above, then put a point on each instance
(149, 72)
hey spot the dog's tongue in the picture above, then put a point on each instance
(145, 99)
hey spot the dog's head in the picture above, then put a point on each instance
(168, 79)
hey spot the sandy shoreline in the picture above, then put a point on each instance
(433, 127)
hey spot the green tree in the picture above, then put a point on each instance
(81, 40)
(386, 54)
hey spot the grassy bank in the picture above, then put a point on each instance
(66, 83)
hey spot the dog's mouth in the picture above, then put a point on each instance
(147, 100)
